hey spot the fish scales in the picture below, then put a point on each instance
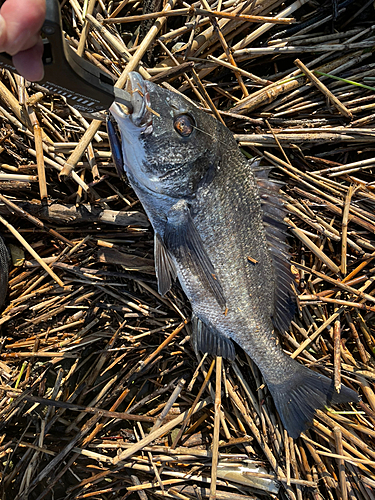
(229, 219)
(219, 230)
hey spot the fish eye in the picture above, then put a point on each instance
(184, 125)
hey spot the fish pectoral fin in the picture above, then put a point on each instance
(183, 241)
(208, 339)
(165, 269)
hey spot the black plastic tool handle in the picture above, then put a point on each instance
(84, 85)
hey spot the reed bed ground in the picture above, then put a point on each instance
(101, 393)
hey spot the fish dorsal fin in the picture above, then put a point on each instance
(183, 242)
(275, 227)
(208, 339)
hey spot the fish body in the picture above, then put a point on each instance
(219, 229)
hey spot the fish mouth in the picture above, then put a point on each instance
(139, 113)
(133, 124)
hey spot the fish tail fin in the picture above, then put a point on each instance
(297, 399)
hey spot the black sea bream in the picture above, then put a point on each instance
(219, 230)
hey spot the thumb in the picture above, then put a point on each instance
(20, 23)
(29, 62)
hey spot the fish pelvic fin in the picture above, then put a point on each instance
(166, 272)
(208, 339)
(298, 398)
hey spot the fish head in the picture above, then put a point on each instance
(169, 145)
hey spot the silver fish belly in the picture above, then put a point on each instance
(219, 229)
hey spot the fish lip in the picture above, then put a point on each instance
(140, 115)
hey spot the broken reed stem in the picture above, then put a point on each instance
(195, 402)
(349, 166)
(145, 486)
(119, 8)
(132, 65)
(23, 242)
(76, 155)
(186, 76)
(340, 462)
(229, 55)
(287, 456)
(344, 231)
(337, 354)
(290, 49)
(34, 220)
(116, 45)
(206, 96)
(170, 337)
(278, 143)
(245, 17)
(156, 472)
(158, 432)
(347, 303)
(281, 479)
(361, 350)
(338, 284)
(145, 44)
(317, 332)
(18, 177)
(320, 86)
(254, 429)
(359, 268)
(175, 394)
(204, 12)
(216, 437)
(315, 249)
(11, 102)
(39, 155)
(85, 29)
(242, 72)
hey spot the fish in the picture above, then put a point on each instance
(219, 229)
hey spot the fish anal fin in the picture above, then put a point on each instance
(183, 241)
(165, 269)
(208, 339)
(299, 397)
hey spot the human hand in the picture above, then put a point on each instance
(20, 23)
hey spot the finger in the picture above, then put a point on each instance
(20, 23)
(29, 62)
